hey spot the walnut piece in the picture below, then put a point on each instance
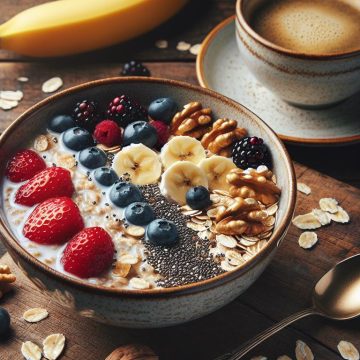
(243, 216)
(132, 352)
(223, 134)
(6, 278)
(253, 184)
(192, 121)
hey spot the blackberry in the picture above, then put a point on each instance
(251, 152)
(135, 68)
(124, 111)
(86, 115)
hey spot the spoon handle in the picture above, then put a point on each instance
(244, 349)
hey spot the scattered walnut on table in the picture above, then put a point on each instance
(6, 278)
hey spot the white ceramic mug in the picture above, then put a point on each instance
(308, 80)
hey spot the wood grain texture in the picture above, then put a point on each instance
(285, 287)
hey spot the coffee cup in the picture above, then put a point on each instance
(306, 52)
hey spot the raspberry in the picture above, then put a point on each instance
(251, 152)
(162, 131)
(107, 132)
(125, 111)
(86, 115)
(135, 68)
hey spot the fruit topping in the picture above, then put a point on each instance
(107, 132)
(163, 132)
(198, 198)
(51, 182)
(60, 123)
(4, 321)
(77, 139)
(86, 114)
(251, 152)
(163, 109)
(54, 221)
(216, 168)
(105, 176)
(124, 111)
(220, 139)
(135, 68)
(92, 157)
(179, 178)
(192, 121)
(162, 232)
(182, 148)
(139, 213)
(122, 194)
(139, 162)
(140, 132)
(24, 165)
(89, 253)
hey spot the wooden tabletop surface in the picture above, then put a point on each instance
(192, 25)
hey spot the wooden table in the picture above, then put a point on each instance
(286, 285)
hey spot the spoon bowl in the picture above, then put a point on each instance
(337, 293)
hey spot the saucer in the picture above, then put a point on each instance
(219, 68)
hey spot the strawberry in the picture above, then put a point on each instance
(108, 132)
(162, 131)
(51, 182)
(53, 222)
(24, 165)
(89, 253)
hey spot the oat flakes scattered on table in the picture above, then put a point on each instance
(51, 85)
(348, 351)
(195, 49)
(260, 357)
(30, 351)
(23, 79)
(341, 216)
(53, 346)
(183, 46)
(161, 44)
(308, 239)
(8, 104)
(35, 315)
(302, 351)
(11, 95)
(284, 357)
(303, 188)
(306, 222)
(329, 205)
(322, 216)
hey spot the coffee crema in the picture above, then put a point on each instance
(309, 26)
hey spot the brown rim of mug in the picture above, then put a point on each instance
(280, 229)
(244, 24)
(200, 73)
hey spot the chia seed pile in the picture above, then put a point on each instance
(187, 262)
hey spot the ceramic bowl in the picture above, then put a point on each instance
(307, 80)
(157, 307)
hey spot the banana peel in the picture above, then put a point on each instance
(67, 27)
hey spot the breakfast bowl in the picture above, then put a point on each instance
(157, 306)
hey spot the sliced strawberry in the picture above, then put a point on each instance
(24, 165)
(89, 253)
(51, 182)
(54, 221)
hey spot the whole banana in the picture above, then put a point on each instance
(66, 27)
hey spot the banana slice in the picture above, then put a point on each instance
(179, 178)
(140, 162)
(216, 168)
(182, 148)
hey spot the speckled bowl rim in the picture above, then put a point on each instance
(201, 76)
(10, 241)
(281, 50)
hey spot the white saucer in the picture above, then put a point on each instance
(219, 68)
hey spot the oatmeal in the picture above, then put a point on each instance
(133, 204)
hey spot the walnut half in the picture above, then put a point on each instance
(6, 278)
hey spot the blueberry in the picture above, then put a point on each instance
(60, 123)
(163, 109)
(139, 213)
(198, 197)
(162, 232)
(122, 194)
(140, 132)
(92, 157)
(105, 176)
(77, 139)
(4, 321)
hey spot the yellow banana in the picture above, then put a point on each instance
(66, 27)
